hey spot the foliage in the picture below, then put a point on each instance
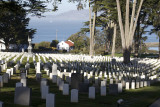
(32, 7)
(81, 42)
(54, 43)
(13, 24)
(42, 44)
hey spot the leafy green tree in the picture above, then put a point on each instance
(42, 44)
(13, 24)
(81, 42)
(32, 7)
(54, 43)
(155, 19)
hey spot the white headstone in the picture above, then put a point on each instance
(137, 84)
(103, 90)
(141, 83)
(145, 83)
(111, 81)
(103, 83)
(50, 100)
(5, 77)
(54, 69)
(66, 89)
(43, 82)
(44, 92)
(38, 68)
(119, 87)
(1, 104)
(127, 85)
(74, 95)
(9, 72)
(24, 81)
(92, 92)
(133, 85)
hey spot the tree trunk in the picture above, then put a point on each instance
(137, 39)
(90, 28)
(93, 31)
(114, 40)
(7, 47)
(126, 56)
(129, 31)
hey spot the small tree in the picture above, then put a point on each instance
(54, 43)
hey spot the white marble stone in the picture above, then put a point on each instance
(92, 92)
(50, 100)
(44, 92)
(66, 89)
(43, 83)
(24, 82)
(141, 84)
(133, 85)
(9, 72)
(120, 88)
(103, 90)
(127, 85)
(137, 84)
(103, 83)
(1, 104)
(38, 67)
(74, 96)
(111, 81)
(12, 71)
(145, 83)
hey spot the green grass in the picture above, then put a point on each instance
(36, 58)
(42, 59)
(18, 58)
(47, 59)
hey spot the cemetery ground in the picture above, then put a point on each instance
(141, 97)
(133, 98)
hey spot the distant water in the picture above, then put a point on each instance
(47, 31)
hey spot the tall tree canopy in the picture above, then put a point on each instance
(13, 24)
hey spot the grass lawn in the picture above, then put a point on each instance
(142, 97)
